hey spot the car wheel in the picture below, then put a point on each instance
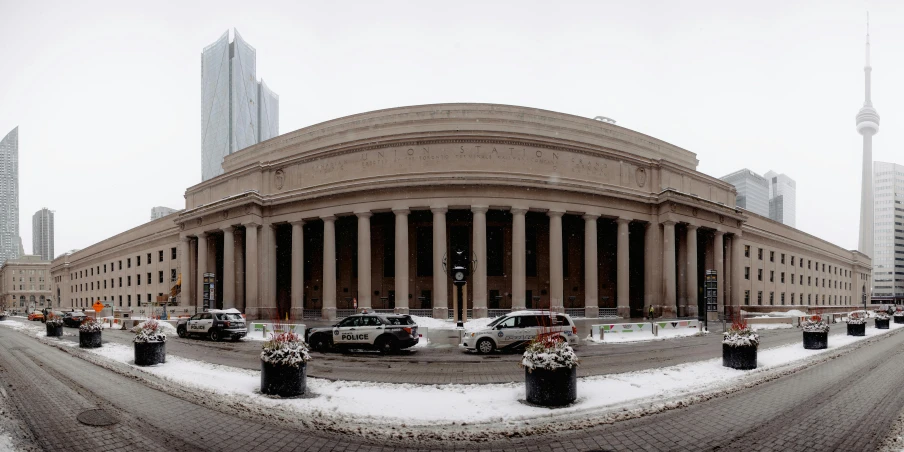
(388, 345)
(320, 343)
(215, 335)
(485, 346)
(182, 333)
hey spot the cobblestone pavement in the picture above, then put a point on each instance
(846, 403)
(451, 365)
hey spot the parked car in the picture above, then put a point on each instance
(74, 319)
(36, 316)
(216, 324)
(515, 330)
(387, 333)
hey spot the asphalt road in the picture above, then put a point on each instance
(450, 365)
(846, 403)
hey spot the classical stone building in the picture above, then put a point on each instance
(25, 284)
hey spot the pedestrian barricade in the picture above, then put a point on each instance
(265, 329)
(650, 329)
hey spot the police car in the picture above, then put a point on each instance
(216, 324)
(384, 332)
(516, 329)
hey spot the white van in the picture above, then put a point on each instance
(516, 329)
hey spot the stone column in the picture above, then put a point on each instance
(364, 256)
(329, 267)
(252, 270)
(519, 259)
(269, 305)
(692, 283)
(668, 268)
(240, 271)
(479, 273)
(623, 292)
(202, 267)
(726, 281)
(401, 260)
(440, 279)
(297, 284)
(737, 269)
(228, 268)
(652, 268)
(681, 265)
(591, 268)
(720, 274)
(556, 277)
(185, 270)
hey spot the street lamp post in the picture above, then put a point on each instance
(864, 300)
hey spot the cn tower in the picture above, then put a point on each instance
(867, 125)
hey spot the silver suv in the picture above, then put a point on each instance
(387, 333)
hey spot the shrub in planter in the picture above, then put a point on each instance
(3, 315)
(150, 343)
(882, 320)
(856, 324)
(89, 334)
(54, 326)
(284, 365)
(739, 346)
(550, 371)
(816, 333)
(899, 316)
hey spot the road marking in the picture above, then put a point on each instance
(3, 391)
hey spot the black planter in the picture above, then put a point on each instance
(899, 318)
(284, 381)
(54, 331)
(739, 357)
(556, 387)
(816, 341)
(881, 324)
(856, 330)
(89, 339)
(2, 318)
(150, 353)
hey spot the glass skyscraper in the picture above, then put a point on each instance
(42, 234)
(753, 191)
(888, 232)
(782, 198)
(237, 111)
(9, 196)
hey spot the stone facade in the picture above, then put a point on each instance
(25, 283)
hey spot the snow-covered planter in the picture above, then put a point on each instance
(89, 334)
(856, 324)
(3, 315)
(899, 317)
(550, 371)
(284, 361)
(54, 326)
(739, 346)
(816, 333)
(882, 320)
(150, 343)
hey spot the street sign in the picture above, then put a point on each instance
(98, 306)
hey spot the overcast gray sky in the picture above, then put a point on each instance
(107, 94)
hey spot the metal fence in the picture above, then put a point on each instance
(576, 312)
(451, 315)
(342, 313)
(311, 314)
(493, 313)
(421, 312)
(609, 313)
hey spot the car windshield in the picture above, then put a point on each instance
(496, 322)
(406, 320)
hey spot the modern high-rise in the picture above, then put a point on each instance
(888, 237)
(42, 234)
(753, 191)
(160, 212)
(9, 196)
(237, 111)
(782, 198)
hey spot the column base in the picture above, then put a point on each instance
(479, 313)
(264, 313)
(624, 312)
(250, 313)
(691, 311)
(403, 311)
(682, 311)
(668, 312)
(441, 313)
(591, 312)
(296, 315)
(328, 313)
(712, 316)
(557, 309)
(519, 308)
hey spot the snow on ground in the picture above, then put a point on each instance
(769, 326)
(439, 324)
(789, 313)
(438, 405)
(663, 334)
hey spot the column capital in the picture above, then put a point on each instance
(623, 220)
(185, 239)
(228, 229)
(692, 227)
(328, 218)
(555, 213)
(401, 211)
(201, 235)
(439, 209)
(518, 210)
(718, 232)
(480, 209)
(298, 222)
(590, 216)
(366, 214)
(738, 234)
(251, 225)
(668, 223)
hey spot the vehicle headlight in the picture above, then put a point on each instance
(472, 334)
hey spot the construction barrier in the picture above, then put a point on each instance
(265, 329)
(646, 328)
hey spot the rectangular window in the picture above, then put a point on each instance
(138, 279)
(809, 280)
(105, 268)
(809, 298)
(792, 261)
(771, 276)
(809, 267)
(783, 277)
(161, 255)
(746, 250)
(792, 298)
(120, 267)
(759, 254)
(129, 280)
(128, 262)
(173, 275)
(149, 277)
(161, 276)
(747, 297)
(771, 298)
(783, 298)
(173, 253)
(138, 261)
(120, 281)
(759, 298)
(149, 261)
(105, 284)
(772, 256)
(783, 258)
(747, 273)
(138, 298)
(129, 298)
(759, 274)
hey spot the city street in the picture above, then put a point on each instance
(846, 403)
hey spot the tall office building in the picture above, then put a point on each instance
(237, 111)
(160, 212)
(9, 196)
(42, 234)
(782, 198)
(753, 191)
(888, 238)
